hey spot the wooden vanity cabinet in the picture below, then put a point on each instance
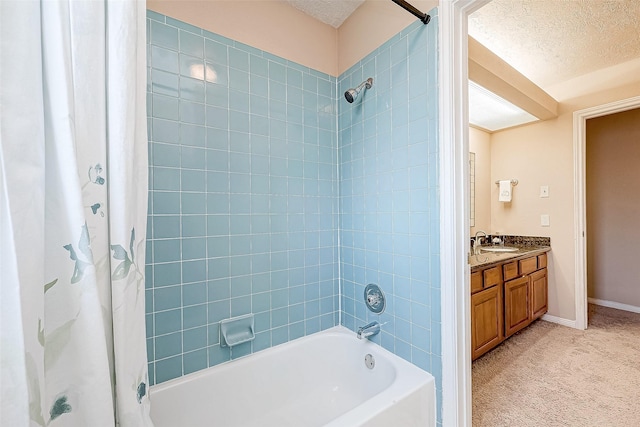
(487, 317)
(505, 299)
(517, 309)
(528, 265)
(525, 297)
(476, 282)
(538, 293)
(486, 320)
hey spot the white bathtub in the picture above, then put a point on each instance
(319, 380)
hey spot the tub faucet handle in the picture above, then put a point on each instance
(373, 299)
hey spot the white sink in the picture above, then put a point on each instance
(498, 249)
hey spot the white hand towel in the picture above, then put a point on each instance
(505, 191)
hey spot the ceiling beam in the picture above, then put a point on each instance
(491, 72)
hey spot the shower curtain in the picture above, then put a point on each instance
(73, 180)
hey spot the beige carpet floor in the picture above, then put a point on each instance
(551, 375)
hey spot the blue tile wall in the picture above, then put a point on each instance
(389, 200)
(243, 212)
(252, 183)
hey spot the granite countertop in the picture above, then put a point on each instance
(487, 259)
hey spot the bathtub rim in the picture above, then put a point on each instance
(409, 378)
(334, 330)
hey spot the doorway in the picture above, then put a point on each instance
(579, 149)
(613, 181)
(456, 393)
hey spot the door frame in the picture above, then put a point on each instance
(454, 204)
(454, 210)
(580, 118)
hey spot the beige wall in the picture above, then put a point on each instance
(613, 207)
(279, 28)
(372, 24)
(273, 26)
(542, 154)
(480, 143)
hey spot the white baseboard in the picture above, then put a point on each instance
(613, 304)
(560, 321)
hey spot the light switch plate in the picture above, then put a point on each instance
(544, 220)
(544, 191)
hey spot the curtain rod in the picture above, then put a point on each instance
(412, 10)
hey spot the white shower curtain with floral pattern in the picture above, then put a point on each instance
(73, 180)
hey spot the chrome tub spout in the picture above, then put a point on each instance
(368, 330)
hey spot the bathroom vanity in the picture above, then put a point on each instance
(508, 292)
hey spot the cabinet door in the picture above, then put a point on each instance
(528, 265)
(516, 305)
(542, 260)
(491, 277)
(538, 293)
(476, 282)
(510, 270)
(486, 321)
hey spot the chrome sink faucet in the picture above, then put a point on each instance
(368, 330)
(477, 241)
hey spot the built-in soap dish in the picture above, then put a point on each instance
(236, 330)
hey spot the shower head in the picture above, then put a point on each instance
(352, 94)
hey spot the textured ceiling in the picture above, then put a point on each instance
(552, 41)
(549, 41)
(332, 12)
